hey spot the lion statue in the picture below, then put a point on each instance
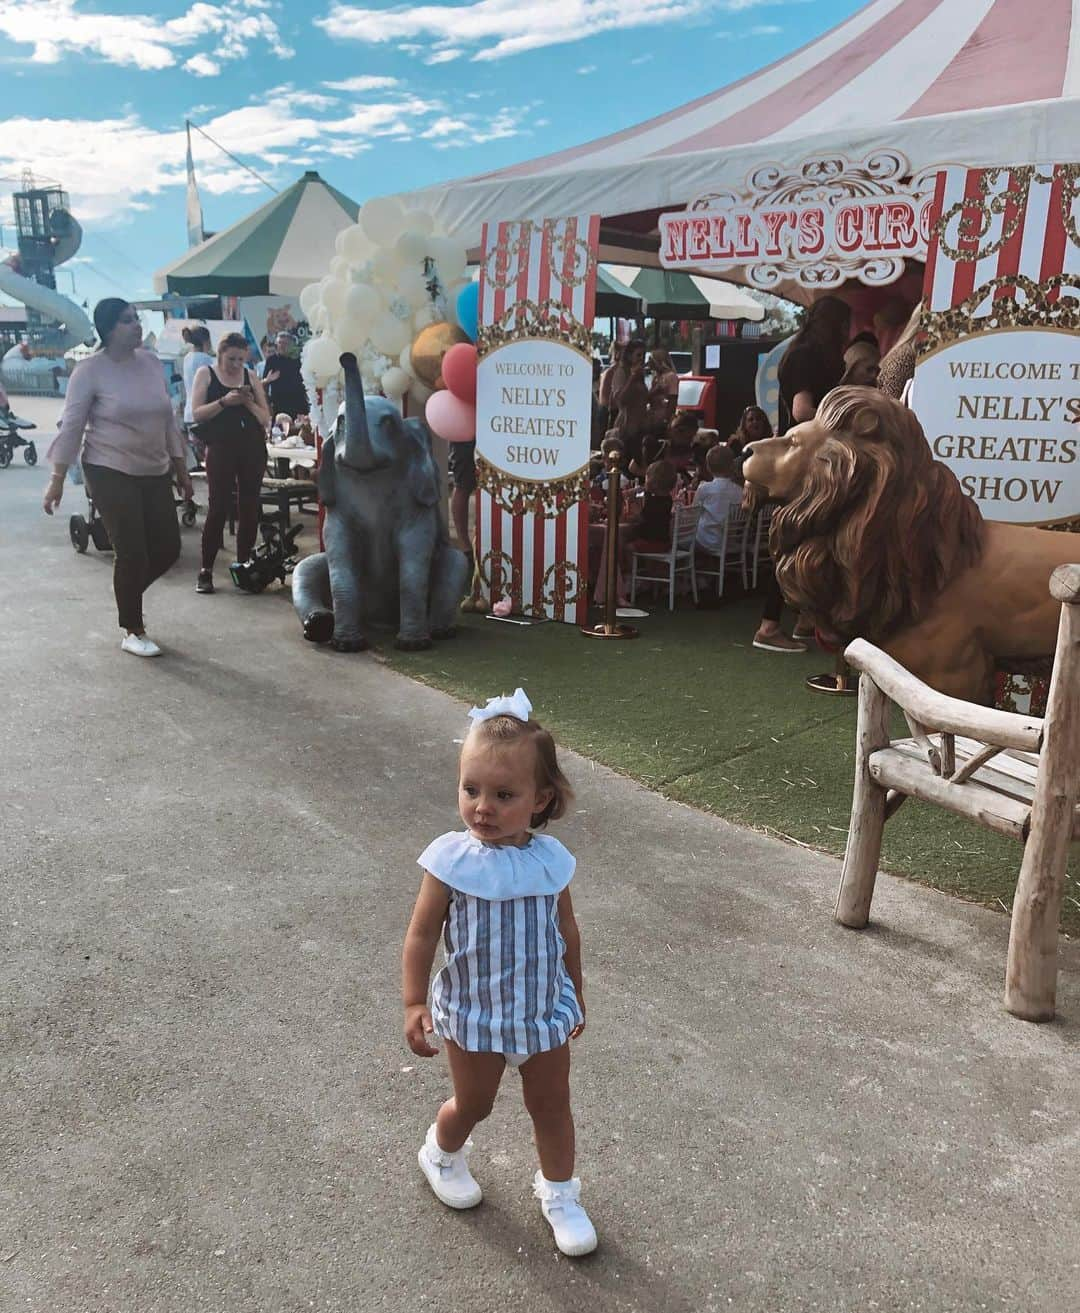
(874, 538)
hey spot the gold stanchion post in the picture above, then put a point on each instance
(610, 627)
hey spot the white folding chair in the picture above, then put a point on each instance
(760, 552)
(730, 555)
(679, 557)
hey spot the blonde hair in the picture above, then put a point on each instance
(509, 732)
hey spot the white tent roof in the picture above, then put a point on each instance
(976, 82)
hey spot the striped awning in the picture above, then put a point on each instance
(981, 82)
(286, 244)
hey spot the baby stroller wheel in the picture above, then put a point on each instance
(30, 454)
(187, 518)
(79, 532)
(5, 455)
(100, 535)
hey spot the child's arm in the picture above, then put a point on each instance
(425, 926)
(568, 927)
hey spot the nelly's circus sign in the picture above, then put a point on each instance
(534, 414)
(997, 383)
(829, 221)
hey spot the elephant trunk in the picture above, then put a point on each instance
(359, 451)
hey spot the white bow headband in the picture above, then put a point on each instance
(518, 705)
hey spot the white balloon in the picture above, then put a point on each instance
(395, 383)
(339, 267)
(382, 219)
(333, 297)
(419, 392)
(405, 361)
(411, 247)
(355, 245)
(413, 286)
(389, 334)
(321, 356)
(450, 256)
(339, 242)
(420, 221)
(425, 315)
(385, 267)
(362, 305)
(310, 297)
(319, 319)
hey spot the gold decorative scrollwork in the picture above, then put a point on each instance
(971, 220)
(504, 261)
(973, 216)
(582, 258)
(829, 180)
(534, 319)
(1027, 305)
(557, 584)
(511, 570)
(548, 497)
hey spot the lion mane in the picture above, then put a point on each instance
(879, 528)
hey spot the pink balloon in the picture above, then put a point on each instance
(459, 371)
(450, 418)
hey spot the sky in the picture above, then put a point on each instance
(377, 97)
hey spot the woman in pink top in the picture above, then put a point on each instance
(118, 411)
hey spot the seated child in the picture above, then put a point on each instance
(652, 531)
(611, 443)
(716, 498)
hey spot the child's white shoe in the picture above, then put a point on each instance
(448, 1173)
(574, 1233)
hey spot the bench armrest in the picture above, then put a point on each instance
(937, 711)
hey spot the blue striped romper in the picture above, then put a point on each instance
(505, 987)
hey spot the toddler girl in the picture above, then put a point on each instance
(511, 991)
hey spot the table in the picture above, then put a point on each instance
(284, 457)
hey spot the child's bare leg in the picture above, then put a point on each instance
(545, 1083)
(476, 1078)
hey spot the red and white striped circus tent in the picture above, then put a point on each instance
(973, 82)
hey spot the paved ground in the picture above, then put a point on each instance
(205, 1101)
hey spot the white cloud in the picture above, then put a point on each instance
(55, 28)
(444, 56)
(114, 167)
(366, 82)
(586, 69)
(494, 29)
(641, 59)
(202, 66)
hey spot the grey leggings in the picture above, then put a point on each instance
(140, 517)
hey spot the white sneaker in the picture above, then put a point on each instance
(574, 1233)
(139, 645)
(448, 1173)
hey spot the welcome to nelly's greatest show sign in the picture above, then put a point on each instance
(534, 414)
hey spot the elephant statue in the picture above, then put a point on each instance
(388, 559)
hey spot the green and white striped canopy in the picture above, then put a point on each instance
(283, 246)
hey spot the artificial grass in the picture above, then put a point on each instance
(693, 711)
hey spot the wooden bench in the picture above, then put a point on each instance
(1017, 775)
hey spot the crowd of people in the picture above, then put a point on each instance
(665, 457)
(119, 425)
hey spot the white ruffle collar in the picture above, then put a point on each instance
(498, 873)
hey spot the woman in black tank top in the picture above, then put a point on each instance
(230, 409)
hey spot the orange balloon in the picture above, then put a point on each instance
(428, 348)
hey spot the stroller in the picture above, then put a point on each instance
(11, 437)
(90, 528)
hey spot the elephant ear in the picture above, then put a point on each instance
(423, 474)
(326, 481)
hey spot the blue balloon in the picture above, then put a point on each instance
(468, 309)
